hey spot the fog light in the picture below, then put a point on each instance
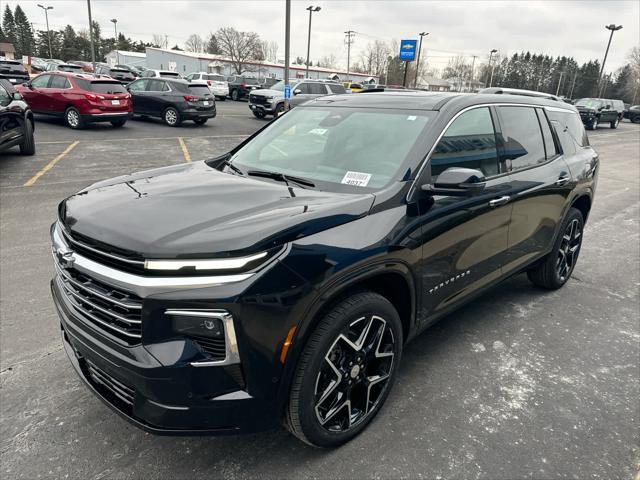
(209, 323)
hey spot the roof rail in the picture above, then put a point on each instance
(516, 91)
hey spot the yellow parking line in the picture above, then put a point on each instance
(185, 152)
(50, 165)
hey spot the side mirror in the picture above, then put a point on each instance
(17, 96)
(457, 182)
(608, 107)
(297, 91)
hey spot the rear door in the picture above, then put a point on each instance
(156, 99)
(540, 182)
(59, 87)
(464, 238)
(301, 93)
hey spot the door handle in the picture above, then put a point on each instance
(563, 180)
(496, 202)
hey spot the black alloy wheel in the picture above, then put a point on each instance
(569, 249)
(345, 371)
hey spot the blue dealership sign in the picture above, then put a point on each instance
(287, 91)
(408, 50)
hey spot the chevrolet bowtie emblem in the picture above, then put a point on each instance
(65, 258)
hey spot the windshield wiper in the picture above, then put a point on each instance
(228, 163)
(303, 182)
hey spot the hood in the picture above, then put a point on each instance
(266, 92)
(194, 210)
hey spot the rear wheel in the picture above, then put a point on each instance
(635, 119)
(345, 371)
(615, 123)
(279, 109)
(28, 145)
(259, 113)
(200, 121)
(118, 123)
(73, 119)
(556, 268)
(171, 117)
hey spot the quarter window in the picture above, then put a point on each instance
(469, 142)
(522, 138)
(549, 144)
(335, 88)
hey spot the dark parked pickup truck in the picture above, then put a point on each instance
(598, 111)
(240, 86)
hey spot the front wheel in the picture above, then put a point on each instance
(28, 145)
(171, 117)
(556, 268)
(259, 113)
(279, 110)
(615, 123)
(73, 119)
(345, 371)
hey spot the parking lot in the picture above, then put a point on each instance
(522, 383)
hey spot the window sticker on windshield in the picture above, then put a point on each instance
(318, 131)
(357, 179)
(412, 118)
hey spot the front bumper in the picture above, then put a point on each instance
(176, 400)
(267, 108)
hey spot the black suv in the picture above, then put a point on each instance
(172, 100)
(241, 85)
(596, 111)
(122, 75)
(16, 121)
(13, 72)
(281, 281)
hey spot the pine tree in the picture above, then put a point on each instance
(2, 37)
(8, 25)
(23, 33)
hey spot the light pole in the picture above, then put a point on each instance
(46, 16)
(93, 50)
(311, 9)
(115, 28)
(490, 72)
(422, 34)
(613, 28)
(287, 35)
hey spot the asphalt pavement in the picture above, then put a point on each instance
(522, 383)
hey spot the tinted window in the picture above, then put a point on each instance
(138, 86)
(156, 86)
(5, 98)
(59, 81)
(335, 88)
(469, 142)
(169, 75)
(594, 103)
(549, 144)
(41, 81)
(107, 87)
(317, 89)
(12, 66)
(567, 143)
(199, 90)
(522, 139)
(569, 128)
(303, 87)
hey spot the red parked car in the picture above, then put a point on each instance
(78, 98)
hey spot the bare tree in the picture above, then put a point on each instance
(269, 51)
(194, 43)
(160, 40)
(374, 57)
(238, 46)
(328, 61)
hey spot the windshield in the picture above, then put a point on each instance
(361, 148)
(278, 86)
(589, 103)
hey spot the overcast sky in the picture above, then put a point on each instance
(572, 28)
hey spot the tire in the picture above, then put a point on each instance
(118, 123)
(172, 117)
(200, 121)
(635, 119)
(222, 99)
(310, 415)
(235, 96)
(556, 268)
(259, 114)
(73, 119)
(28, 145)
(615, 123)
(279, 109)
(593, 124)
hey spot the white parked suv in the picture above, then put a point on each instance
(160, 74)
(216, 83)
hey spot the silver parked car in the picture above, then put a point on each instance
(270, 101)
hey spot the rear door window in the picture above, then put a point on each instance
(156, 86)
(317, 89)
(58, 81)
(138, 86)
(522, 143)
(469, 142)
(304, 88)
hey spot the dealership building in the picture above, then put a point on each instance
(187, 62)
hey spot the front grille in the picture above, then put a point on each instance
(105, 383)
(257, 99)
(214, 347)
(112, 311)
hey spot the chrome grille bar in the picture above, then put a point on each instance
(73, 241)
